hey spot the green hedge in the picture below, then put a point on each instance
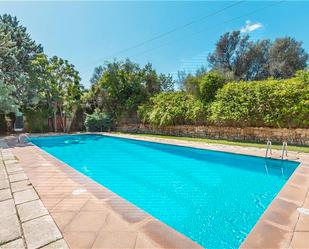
(272, 103)
(172, 108)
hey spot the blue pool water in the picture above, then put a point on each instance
(214, 198)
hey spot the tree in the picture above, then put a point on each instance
(97, 74)
(17, 50)
(286, 56)
(167, 83)
(123, 86)
(209, 84)
(8, 103)
(229, 55)
(191, 84)
(58, 88)
(257, 60)
(238, 58)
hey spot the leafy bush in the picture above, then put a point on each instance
(272, 103)
(209, 84)
(172, 108)
(36, 120)
(97, 121)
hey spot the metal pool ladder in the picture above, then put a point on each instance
(268, 148)
(284, 150)
(21, 136)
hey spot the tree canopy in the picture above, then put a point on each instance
(17, 50)
(240, 58)
(121, 86)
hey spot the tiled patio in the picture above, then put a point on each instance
(88, 215)
(25, 222)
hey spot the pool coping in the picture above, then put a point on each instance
(280, 226)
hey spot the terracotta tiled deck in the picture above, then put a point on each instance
(90, 216)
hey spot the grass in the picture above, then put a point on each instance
(296, 148)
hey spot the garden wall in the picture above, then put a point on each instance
(253, 134)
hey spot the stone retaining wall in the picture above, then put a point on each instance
(253, 134)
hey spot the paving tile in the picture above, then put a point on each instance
(59, 244)
(142, 243)
(15, 244)
(94, 205)
(7, 208)
(80, 240)
(166, 236)
(70, 204)
(3, 174)
(9, 228)
(303, 223)
(115, 240)
(31, 210)
(50, 203)
(4, 183)
(265, 235)
(18, 177)
(128, 212)
(25, 196)
(21, 185)
(282, 213)
(300, 240)
(87, 222)
(5, 194)
(40, 232)
(113, 223)
(11, 160)
(62, 219)
(13, 168)
(293, 194)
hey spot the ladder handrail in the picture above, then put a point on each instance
(268, 148)
(284, 149)
(21, 135)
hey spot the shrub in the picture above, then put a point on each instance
(172, 108)
(272, 103)
(209, 84)
(36, 120)
(97, 121)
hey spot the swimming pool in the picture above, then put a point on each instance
(214, 198)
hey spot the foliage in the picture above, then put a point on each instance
(36, 120)
(273, 103)
(286, 56)
(303, 76)
(204, 86)
(17, 49)
(173, 108)
(57, 85)
(97, 121)
(208, 86)
(123, 86)
(237, 56)
(8, 103)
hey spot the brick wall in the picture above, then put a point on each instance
(254, 134)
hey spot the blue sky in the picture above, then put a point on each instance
(88, 33)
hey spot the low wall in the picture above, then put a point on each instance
(252, 134)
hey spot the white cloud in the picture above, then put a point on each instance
(251, 27)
